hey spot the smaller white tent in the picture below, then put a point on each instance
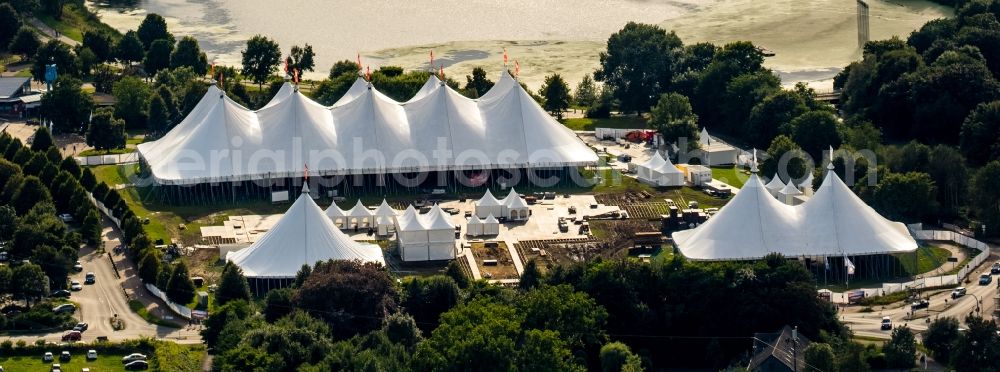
(703, 138)
(491, 226)
(488, 205)
(788, 193)
(411, 236)
(474, 226)
(807, 185)
(515, 207)
(669, 175)
(337, 215)
(775, 185)
(440, 234)
(359, 216)
(385, 218)
(647, 171)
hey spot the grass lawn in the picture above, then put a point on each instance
(75, 21)
(79, 361)
(730, 175)
(928, 258)
(612, 181)
(612, 122)
(23, 73)
(685, 194)
(92, 152)
(137, 308)
(174, 357)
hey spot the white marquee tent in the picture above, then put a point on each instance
(337, 215)
(385, 218)
(659, 171)
(491, 226)
(303, 236)
(360, 216)
(424, 237)
(222, 141)
(515, 207)
(775, 185)
(474, 226)
(834, 222)
(488, 205)
(788, 193)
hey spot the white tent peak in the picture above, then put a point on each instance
(359, 210)
(436, 219)
(488, 200)
(703, 138)
(491, 219)
(790, 189)
(385, 209)
(303, 235)
(775, 184)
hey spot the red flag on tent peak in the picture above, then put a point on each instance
(286, 66)
(306, 172)
(517, 68)
(505, 56)
(441, 72)
(359, 62)
(212, 73)
(296, 76)
(432, 59)
(368, 73)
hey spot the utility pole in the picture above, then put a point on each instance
(862, 23)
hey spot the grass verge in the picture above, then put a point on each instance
(628, 122)
(730, 175)
(76, 363)
(138, 308)
(76, 20)
(93, 152)
(170, 356)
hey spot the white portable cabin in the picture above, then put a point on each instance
(474, 226)
(699, 175)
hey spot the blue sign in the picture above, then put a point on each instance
(50, 73)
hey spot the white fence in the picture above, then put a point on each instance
(132, 157)
(934, 281)
(181, 310)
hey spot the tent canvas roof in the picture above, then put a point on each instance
(667, 167)
(303, 235)
(833, 222)
(474, 220)
(296, 129)
(409, 220)
(790, 189)
(703, 138)
(491, 220)
(436, 219)
(654, 161)
(488, 200)
(775, 184)
(359, 210)
(333, 211)
(385, 210)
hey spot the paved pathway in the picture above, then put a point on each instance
(49, 32)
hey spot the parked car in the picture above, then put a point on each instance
(64, 356)
(60, 293)
(55, 368)
(91, 354)
(920, 304)
(995, 269)
(886, 323)
(66, 217)
(64, 308)
(90, 278)
(136, 365)
(133, 357)
(78, 267)
(985, 279)
(48, 357)
(958, 292)
(3, 256)
(81, 326)
(75, 285)
(72, 336)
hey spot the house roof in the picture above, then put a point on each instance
(11, 86)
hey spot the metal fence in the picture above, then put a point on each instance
(934, 281)
(132, 157)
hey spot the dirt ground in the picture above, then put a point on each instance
(504, 269)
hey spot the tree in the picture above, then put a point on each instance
(159, 118)
(157, 58)
(105, 131)
(426, 298)
(42, 140)
(794, 165)
(29, 282)
(129, 48)
(477, 336)
(260, 59)
(980, 132)
(815, 132)
(232, 285)
(978, 346)
(985, 201)
(477, 84)
(586, 92)
(31, 192)
(617, 357)
(637, 64)
(231, 312)
(67, 106)
(905, 197)
(25, 8)
(149, 267)
(556, 94)
(278, 303)
(86, 58)
(531, 277)
(180, 289)
(819, 356)
(940, 338)
(774, 116)
(25, 43)
(901, 350)
(8, 222)
(673, 118)
(100, 43)
(454, 271)
(132, 96)
(58, 53)
(575, 315)
(53, 7)
(190, 55)
(10, 22)
(153, 28)
(301, 58)
(90, 229)
(339, 292)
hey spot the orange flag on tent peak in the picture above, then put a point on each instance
(517, 68)
(306, 172)
(368, 73)
(286, 66)
(441, 72)
(432, 59)
(296, 76)
(505, 56)
(359, 62)
(212, 73)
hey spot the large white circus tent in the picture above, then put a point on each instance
(303, 236)
(833, 223)
(223, 141)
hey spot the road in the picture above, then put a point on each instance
(99, 302)
(941, 305)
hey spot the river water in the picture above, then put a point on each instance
(812, 39)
